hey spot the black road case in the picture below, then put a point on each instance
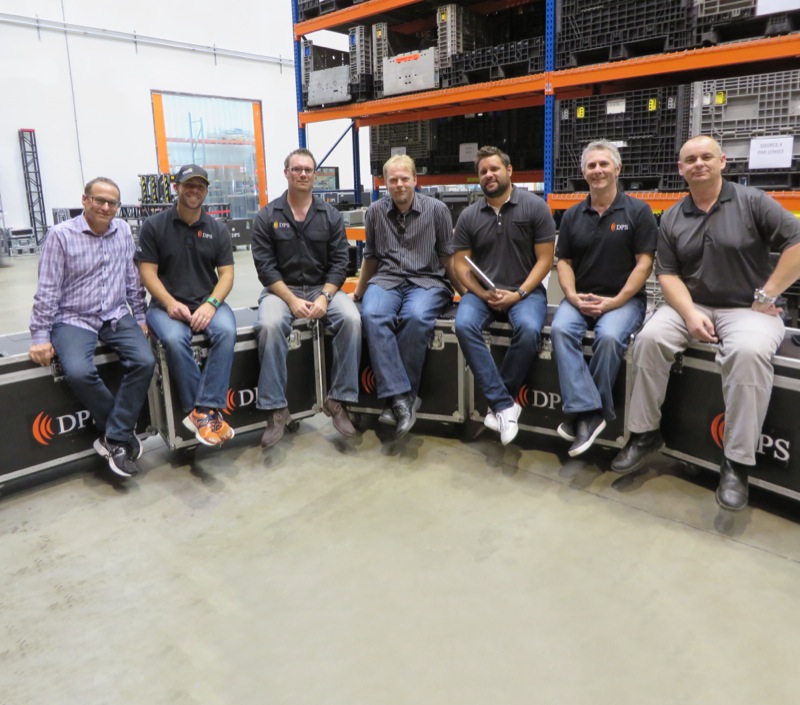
(694, 416)
(540, 395)
(303, 387)
(442, 387)
(45, 424)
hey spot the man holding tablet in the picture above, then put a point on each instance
(504, 247)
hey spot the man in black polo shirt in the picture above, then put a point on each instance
(605, 254)
(186, 263)
(509, 235)
(715, 272)
(300, 252)
(405, 282)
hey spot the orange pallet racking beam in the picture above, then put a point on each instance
(349, 15)
(525, 91)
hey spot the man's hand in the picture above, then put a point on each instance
(300, 308)
(769, 309)
(319, 307)
(180, 312)
(701, 328)
(593, 305)
(502, 300)
(42, 353)
(145, 330)
(199, 320)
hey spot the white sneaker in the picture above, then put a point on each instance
(490, 420)
(507, 423)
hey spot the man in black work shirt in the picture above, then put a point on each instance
(300, 254)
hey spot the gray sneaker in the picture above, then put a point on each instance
(275, 427)
(117, 456)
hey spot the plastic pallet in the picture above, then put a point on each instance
(362, 87)
(611, 30)
(744, 24)
(360, 45)
(649, 126)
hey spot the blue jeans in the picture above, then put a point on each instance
(589, 387)
(398, 324)
(207, 387)
(527, 320)
(114, 415)
(272, 330)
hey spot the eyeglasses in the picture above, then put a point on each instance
(297, 170)
(401, 224)
(100, 202)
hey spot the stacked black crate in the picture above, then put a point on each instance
(648, 126)
(457, 31)
(608, 30)
(518, 132)
(510, 43)
(760, 112)
(730, 20)
(411, 138)
(361, 68)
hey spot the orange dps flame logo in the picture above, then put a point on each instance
(368, 380)
(42, 429)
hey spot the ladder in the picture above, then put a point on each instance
(33, 183)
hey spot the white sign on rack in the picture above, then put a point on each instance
(771, 152)
(467, 151)
(767, 7)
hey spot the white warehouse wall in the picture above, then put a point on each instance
(88, 98)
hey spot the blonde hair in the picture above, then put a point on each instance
(401, 160)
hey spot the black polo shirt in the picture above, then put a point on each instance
(723, 256)
(502, 243)
(603, 248)
(187, 255)
(308, 253)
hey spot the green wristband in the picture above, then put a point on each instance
(214, 302)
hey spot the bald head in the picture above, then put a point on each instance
(701, 163)
(702, 142)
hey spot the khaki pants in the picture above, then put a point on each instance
(748, 341)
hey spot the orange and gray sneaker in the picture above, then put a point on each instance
(201, 425)
(220, 426)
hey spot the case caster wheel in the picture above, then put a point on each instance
(293, 426)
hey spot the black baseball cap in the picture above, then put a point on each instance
(190, 171)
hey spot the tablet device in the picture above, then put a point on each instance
(478, 272)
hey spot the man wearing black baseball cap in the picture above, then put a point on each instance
(186, 263)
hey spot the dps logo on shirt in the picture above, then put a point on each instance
(619, 226)
(207, 236)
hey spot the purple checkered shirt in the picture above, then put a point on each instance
(85, 279)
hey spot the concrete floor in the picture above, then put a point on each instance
(432, 571)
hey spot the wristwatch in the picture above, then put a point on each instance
(522, 293)
(762, 297)
(328, 296)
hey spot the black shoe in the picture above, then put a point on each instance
(117, 456)
(387, 417)
(566, 430)
(134, 447)
(732, 491)
(589, 427)
(636, 450)
(405, 411)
